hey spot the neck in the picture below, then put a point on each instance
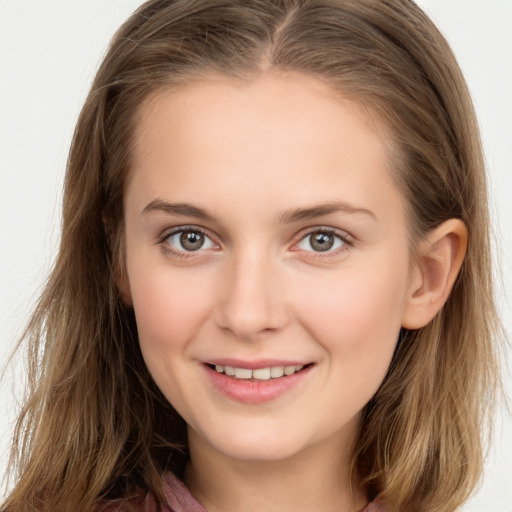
(318, 478)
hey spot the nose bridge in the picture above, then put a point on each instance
(252, 303)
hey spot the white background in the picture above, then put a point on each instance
(49, 50)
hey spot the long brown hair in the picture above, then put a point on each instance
(94, 425)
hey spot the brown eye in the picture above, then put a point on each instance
(321, 241)
(191, 240)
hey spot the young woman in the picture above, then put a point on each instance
(273, 290)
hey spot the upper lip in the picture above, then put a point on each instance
(256, 364)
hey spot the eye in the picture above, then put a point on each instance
(322, 241)
(189, 240)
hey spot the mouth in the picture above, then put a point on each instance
(256, 382)
(258, 374)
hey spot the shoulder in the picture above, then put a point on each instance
(375, 506)
(178, 496)
(129, 505)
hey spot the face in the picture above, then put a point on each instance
(265, 238)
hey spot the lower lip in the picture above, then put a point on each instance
(252, 391)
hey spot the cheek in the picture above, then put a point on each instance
(357, 321)
(170, 310)
(169, 307)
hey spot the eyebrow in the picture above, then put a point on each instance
(287, 217)
(301, 214)
(158, 205)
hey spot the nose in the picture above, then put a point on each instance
(252, 302)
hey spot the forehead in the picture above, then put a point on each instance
(274, 133)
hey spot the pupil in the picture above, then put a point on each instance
(192, 240)
(322, 241)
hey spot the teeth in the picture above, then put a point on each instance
(261, 374)
(289, 370)
(243, 373)
(277, 371)
(273, 372)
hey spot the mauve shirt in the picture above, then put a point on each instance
(179, 498)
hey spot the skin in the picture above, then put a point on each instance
(250, 155)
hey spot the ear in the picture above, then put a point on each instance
(438, 261)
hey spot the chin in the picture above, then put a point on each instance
(257, 445)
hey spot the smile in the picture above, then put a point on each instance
(264, 382)
(271, 372)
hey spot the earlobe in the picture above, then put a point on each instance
(439, 259)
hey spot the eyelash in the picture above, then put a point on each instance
(343, 237)
(167, 248)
